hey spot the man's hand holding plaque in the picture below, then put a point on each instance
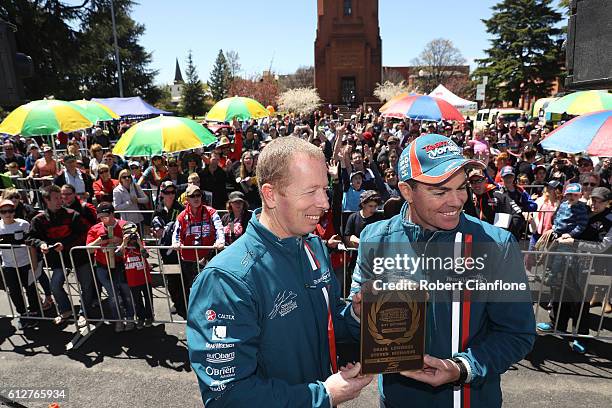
(435, 372)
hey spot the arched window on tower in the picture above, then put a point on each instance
(348, 7)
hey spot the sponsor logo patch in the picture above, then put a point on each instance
(217, 346)
(219, 332)
(217, 358)
(324, 278)
(283, 304)
(211, 315)
(223, 372)
(441, 149)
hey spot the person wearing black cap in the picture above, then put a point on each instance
(107, 235)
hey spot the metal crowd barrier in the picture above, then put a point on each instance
(575, 275)
(168, 280)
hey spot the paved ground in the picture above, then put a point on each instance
(150, 368)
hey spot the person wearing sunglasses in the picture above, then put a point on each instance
(103, 187)
(493, 206)
(175, 174)
(196, 225)
(590, 182)
(16, 268)
(128, 196)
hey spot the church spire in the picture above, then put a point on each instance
(178, 77)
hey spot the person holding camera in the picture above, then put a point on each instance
(108, 235)
(138, 274)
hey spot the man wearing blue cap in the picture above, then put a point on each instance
(470, 340)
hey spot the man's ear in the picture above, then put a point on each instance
(268, 195)
(406, 191)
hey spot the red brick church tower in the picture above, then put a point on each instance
(348, 51)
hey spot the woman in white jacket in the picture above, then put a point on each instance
(127, 196)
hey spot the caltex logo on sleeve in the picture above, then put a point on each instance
(211, 315)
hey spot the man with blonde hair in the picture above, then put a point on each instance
(272, 293)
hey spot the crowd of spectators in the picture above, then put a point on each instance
(77, 192)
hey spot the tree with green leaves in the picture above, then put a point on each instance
(193, 93)
(219, 78)
(526, 53)
(97, 54)
(44, 32)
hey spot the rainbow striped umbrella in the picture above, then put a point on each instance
(423, 107)
(579, 103)
(46, 117)
(163, 134)
(237, 106)
(100, 111)
(590, 133)
(395, 99)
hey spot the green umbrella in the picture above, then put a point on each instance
(163, 134)
(96, 109)
(243, 108)
(46, 117)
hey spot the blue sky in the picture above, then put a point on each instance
(282, 32)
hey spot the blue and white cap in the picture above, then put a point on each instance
(573, 188)
(432, 159)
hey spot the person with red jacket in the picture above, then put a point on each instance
(227, 155)
(107, 235)
(103, 187)
(196, 225)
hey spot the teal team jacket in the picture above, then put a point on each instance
(258, 319)
(489, 330)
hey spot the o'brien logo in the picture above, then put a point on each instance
(442, 148)
(222, 372)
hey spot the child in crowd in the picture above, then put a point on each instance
(572, 217)
(352, 192)
(138, 274)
